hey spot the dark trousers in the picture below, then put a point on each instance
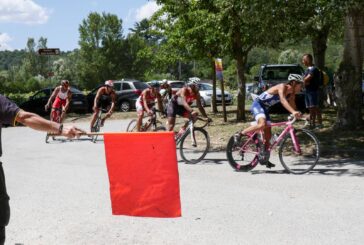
(4, 206)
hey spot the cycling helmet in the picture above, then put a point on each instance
(164, 81)
(65, 82)
(109, 83)
(193, 81)
(155, 84)
(295, 77)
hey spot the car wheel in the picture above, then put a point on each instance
(125, 106)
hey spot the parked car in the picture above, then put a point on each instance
(37, 102)
(206, 94)
(127, 92)
(273, 74)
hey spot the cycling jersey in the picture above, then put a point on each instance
(268, 100)
(189, 97)
(262, 103)
(61, 99)
(150, 99)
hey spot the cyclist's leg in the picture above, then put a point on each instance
(171, 115)
(140, 113)
(93, 119)
(260, 116)
(63, 111)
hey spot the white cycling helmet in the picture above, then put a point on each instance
(193, 81)
(109, 83)
(295, 77)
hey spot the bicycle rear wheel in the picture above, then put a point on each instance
(192, 152)
(132, 126)
(242, 156)
(307, 156)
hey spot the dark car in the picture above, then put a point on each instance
(127, 92)
(37, 102)
(273, 74)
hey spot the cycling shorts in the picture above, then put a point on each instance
(259, 111)
(173, 109)
(59, 103)
(140, 108)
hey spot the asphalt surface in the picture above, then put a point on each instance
(60, 195)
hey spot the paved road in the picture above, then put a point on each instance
(59, 195)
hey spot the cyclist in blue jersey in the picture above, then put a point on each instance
(284, 93)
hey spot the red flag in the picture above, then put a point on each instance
(143, 174)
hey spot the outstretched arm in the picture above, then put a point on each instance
(36, 122)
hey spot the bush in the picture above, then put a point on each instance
(19, 98)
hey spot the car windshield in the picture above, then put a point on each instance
(280, 73)
(140, 85)
(75, 91)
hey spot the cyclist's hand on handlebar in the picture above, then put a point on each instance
(150, 113)
(297, 114)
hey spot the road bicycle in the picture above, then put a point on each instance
(194, 142)
(55, 117)
(152, 124)
(298, 149)
(97, 125)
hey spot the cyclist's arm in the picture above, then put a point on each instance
(145, 104)
(97, 97)
(200, 107)
(68, 101)
(282, 97)
(53, 96)
(113, 102)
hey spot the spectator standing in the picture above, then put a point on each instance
(311, 82)
(10, 113)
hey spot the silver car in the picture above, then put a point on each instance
(206, 94)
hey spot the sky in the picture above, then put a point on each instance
(58, 20)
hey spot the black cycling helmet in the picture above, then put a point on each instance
(155, 84)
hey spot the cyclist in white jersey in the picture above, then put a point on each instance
(284, 93)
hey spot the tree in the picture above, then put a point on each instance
(349, 76)
(101, 47)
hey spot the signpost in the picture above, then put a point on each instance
(49, 51)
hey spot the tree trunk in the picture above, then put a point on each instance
(319, 46)
(349, 78)
(213, 98)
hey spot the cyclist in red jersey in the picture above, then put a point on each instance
(146, 101)
(61, 98)
(181, 103)
(105, 98)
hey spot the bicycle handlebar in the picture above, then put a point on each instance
(292, 119)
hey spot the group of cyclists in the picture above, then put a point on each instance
(176, 104)
(180, 103)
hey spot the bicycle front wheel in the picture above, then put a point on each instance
(132, 126)
(301, 157)
(193, 148)
(96, 129)
(242, 155)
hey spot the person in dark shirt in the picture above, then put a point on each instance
(10, 113)
(311, 81)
